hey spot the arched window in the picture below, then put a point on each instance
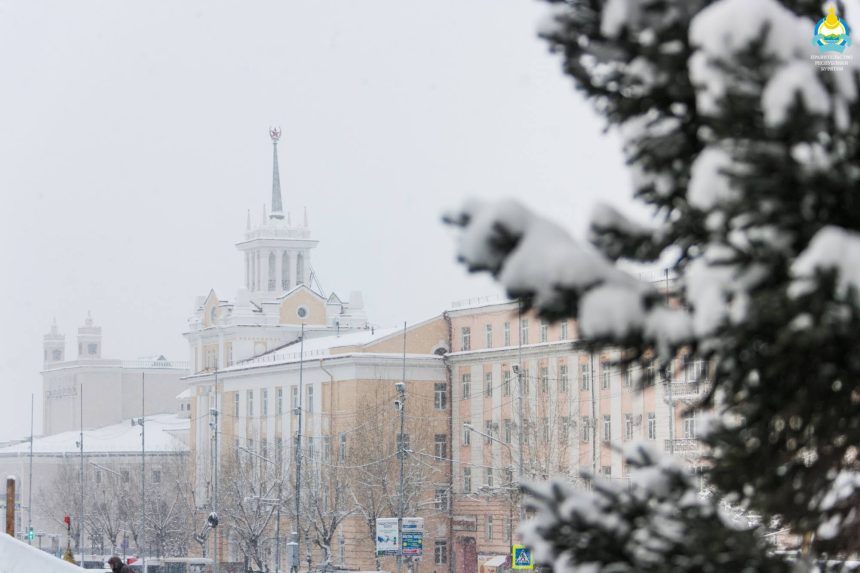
(300, 269)
(271, 271)
(285, 271)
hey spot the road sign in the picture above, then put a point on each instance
(521, 558)
(387, 538)
(413, 536)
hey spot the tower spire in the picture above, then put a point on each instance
(277, 207)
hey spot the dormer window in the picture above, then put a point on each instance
(212, 314)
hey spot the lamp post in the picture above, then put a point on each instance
(279, 502)
(400, 404)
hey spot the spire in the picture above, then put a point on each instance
(277, 207)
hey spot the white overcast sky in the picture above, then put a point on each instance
(133, 140)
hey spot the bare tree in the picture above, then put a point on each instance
(326, 500)
(250, 492)
(61, 497)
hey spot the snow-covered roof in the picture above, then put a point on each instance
(185, 394)
(316, 347)
(117, 438)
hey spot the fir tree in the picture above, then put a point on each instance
(748, 154)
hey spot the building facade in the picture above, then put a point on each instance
(91, 391)
(531, 401)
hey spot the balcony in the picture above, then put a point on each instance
(690, 391)
(684, 447)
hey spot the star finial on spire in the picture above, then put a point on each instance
(277, 207)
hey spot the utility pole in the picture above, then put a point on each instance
(81, 523)
(401, 451)
(30, 487)
(294, 567)
(140, 422)
(593, 428)
(519, 372)
(213, 424)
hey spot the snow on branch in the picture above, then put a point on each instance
(541, 263)
(659, 521)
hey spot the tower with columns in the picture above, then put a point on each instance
(89, 340)
(277, 253)
(54, 345)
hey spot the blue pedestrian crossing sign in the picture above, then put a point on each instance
(521, 558)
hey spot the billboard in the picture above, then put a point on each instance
(413, 536)
(387, 539)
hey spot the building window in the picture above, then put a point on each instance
(440, 553)
(98, 476)
(604, 370)
(235, 404)
(508, 525)
(488, 330)
(544, 430)
(562, 377)
(585, 430)
(488, 521)
(524, 331)
(441, 499)
(652, 426)
(467, 434)
(690, 431)
(123, 474)
(264, 401)
(606, 470)
(467, 385)
(465, 338)
(650, 374)
(249, 395)
(467, 480)
(628, 427)
(310, 406)
(544, 379)
(607, 428)
(300, 269)
(506, 383)
(563, 335)
(507, 430)
(341, 450)
(544, 331)
(264, 447)
(584, 377)
(488, 429)
(440, 395)
(564, 429)
(524, 383)
(488, 385)
(279, 452)
(507, 333)
(326, 449)
(341, 548)
(92, 348)
(285, 271)
(279, 397)
(271, 271)
(441, 446)
(294, 398)
(628, 376)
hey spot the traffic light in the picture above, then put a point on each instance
(30, 534)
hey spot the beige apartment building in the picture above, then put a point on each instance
(531, 401)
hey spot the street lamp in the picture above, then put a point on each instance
(280, 501)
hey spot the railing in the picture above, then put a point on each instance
(287, 233)
(684, 446)
(177, 364)
(681, 390)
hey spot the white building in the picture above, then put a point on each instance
(280, 292)
(91, 391)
